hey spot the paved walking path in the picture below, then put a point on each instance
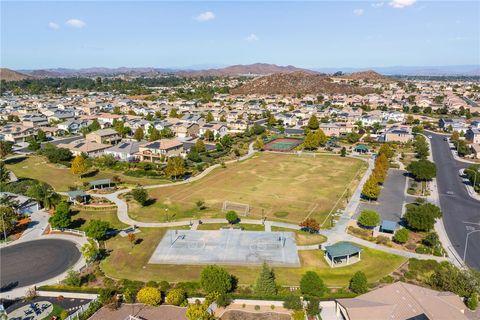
(336, 234)
(37, 225)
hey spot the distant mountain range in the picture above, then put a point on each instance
(256, 69)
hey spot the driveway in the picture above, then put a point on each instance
(390, 203)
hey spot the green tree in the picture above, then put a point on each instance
(94, 126)
(149, 296)
(232, 217)
(313, 307)
(371, 189)
(174, 113)
(258, 145)
(353, 137)
(312, 285)
(5, 148)
(359, 283)
(176, 296)
(139, 134)
(313, 123)
(208, 135)
(33, 145)
(401, 236)
(369, 218)
(8, 220)
(215, 279)
(4, 173)
(311, 141)
(175, 167)
(422, 217)
(343, 152)
(90, 251)
(200, 146)
(97, 229)
(140, 195)
(209, 117)
(387, 150)
(41, 136)
(321, 137)
(265, 285)
(62, 216)
(154, 134)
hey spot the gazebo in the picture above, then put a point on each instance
(342, 252)
(75, 195)
(100, 184)
(388, 226)
(361, 148)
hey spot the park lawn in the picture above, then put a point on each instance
(304, 238)
(132, 263)
(281, 187)
(218, 226)
(60, 177)
(80, 217)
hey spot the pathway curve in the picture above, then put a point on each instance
(336, 234)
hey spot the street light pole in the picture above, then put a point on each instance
(466, 243)
(4, 230)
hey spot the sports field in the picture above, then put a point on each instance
(279, 186)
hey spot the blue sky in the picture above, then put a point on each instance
(178, 34)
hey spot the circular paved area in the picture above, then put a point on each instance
(32, 262)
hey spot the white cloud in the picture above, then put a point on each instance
(377, 4)
(358, 12)
(205, 16)
(53, 25)
(75, 23)
(252, 37)
(399, 4)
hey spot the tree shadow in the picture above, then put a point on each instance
(9, 286)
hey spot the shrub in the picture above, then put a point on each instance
(232, 217)
(359, 283)
(387, 279)
(369, 218)
(73, 279)
(97, 229)
(149, 296)
(423, 249)
(257, 307)
(140, 195)
(382, 240)
(292, 302)
(313, 307)
(401, 236)
(176, 296)
(298, 315)
(224, 300)
(472, 301)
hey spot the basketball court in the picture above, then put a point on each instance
(229, 246)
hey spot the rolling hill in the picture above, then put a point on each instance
(297, 82)
(10, 75)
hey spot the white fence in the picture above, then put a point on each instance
(77, 232)
(79, 311)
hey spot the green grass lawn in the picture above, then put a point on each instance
(132, 263)
(217, 226)
(82, 216)
(279, 186)
(60, 177)
(304, 238)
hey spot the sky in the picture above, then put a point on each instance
(310, 34)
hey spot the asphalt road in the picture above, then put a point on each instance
(32, 262)
(461, 213)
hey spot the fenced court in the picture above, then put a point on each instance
(282, 144)
(229, 247)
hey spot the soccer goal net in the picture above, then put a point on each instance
(306, 154)
(241, 208)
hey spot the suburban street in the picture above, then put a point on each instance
(461, 213)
